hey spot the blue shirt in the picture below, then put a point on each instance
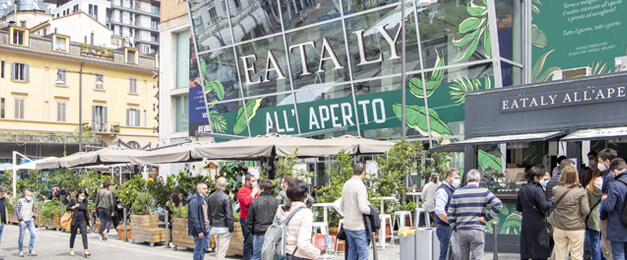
(441, 199)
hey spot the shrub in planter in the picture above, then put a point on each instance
(50, 213)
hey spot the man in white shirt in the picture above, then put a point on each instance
(428, 194)
(354, 204)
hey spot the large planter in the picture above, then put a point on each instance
(53, 222)
(180, 237)
(236, 247)
(146, 229)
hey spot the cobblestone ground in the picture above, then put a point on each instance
(51, 244)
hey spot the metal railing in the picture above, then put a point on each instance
(46, 138)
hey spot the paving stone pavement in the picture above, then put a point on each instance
(51, 244)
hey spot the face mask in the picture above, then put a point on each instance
(544, 183)
(254, 184)
(81, 198)
(601, 167)
(456, 183)
(283, 187)
(593, 162)
(28, 197)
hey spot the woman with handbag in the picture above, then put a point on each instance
(571, 208)
(80, 219)
(298, 230)
(532, 202)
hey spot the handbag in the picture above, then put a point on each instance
(66, 220)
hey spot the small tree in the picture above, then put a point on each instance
(340, 173)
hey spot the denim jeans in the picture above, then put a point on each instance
(30, 225)
(444, 235)
(618, 250)
(1, 229)
(199, 248)
(592, 243)
(357, 244)
(257, 244)
(248, 240)
(208, 239)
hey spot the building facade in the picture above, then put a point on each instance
(137, 22)
(41, 92)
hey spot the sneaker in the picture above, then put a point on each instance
(32, 253)
(20, 254)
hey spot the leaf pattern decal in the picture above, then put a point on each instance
(488, 161)
(476, 27)
(538, 37)
(415, 84)
(460, 86)
(203, 68)
(218, 123)
(416, 117)
(241, 120)
(536, 71)
(216, 87)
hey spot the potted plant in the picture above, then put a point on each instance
(145, 225)
(180, 236)
(237, 239)
(50, 213)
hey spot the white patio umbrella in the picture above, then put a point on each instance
(109, 155)
(172, 154)
(360, 145)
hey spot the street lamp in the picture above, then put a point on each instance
(80, 99)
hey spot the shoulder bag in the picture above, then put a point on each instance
(557, 202)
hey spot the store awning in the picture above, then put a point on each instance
(596, 133)
(497, 139)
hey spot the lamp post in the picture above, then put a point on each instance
(80, 99)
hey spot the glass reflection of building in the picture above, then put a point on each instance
(297, 54)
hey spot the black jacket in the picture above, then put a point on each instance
(3, 215)
(220, 210)
(195, 219)
(372, 221)
(534, 239)
(261, 213)
(81, 213)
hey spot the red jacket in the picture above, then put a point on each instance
(244, 198)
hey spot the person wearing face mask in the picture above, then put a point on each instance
(532, 202)
(613, 209)
(604, 158)
(282, 197)
(442, 198)
(80, 220)
(246, 194)
(544, 181)
(593, 185)
(592, 159)
(25, 213)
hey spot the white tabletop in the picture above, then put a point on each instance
(323, 205)
(414, 193)
(386, 198)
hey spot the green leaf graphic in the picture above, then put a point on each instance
(466, 39)
(539, 65)
(415, 84)
(538, 37)
(488, 161)
(476, 10)
(471, 48)
(487, 45)
(416, 117)
(241, 120)
(203, 68)
(215, 86)
(471, 23)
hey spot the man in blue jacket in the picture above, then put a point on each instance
(198, 220)
(612, 207)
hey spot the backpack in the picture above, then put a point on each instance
(623, 214)
(273, 247)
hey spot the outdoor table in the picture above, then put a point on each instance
(382, 229)
(415, 194)
(326, 206)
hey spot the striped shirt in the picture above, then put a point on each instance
(468, 204)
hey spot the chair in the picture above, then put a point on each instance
(337, 241)
(426, 216)
(400, 216)
(382, 235)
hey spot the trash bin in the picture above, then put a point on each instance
(408, 242)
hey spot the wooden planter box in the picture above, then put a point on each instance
(146, 229)
(53, 222)
(180, 238)
(236, 247)
(12, 218)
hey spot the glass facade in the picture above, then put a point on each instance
(302, 66)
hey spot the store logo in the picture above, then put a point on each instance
(590, 95)
(327, 54)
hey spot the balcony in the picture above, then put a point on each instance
(47, 138)
(136, 9)
(134, 25)
(101, 128)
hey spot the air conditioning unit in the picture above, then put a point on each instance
(620, 63)
(572, 73)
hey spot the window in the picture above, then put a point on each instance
(1, 69)
(182, 113)
(18, 108)
(134, 145)
(61, 111)
(59, 44)
(144, 122)
(93, 11)
(99, 84)
(23, 24)
(2, 109)
(18, 37)
(132, 117)
(212, 13)
(132, 86)
(60, 77)
(19, 71)
(182, 59)
(99, 118)
(75, 9)
(237, 4)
